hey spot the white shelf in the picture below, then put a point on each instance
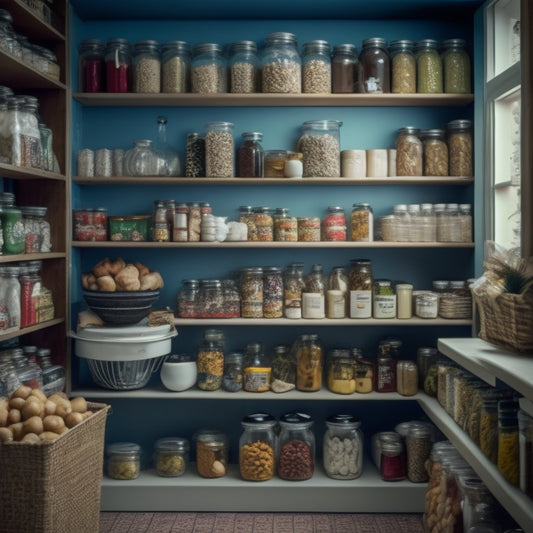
(190, 492)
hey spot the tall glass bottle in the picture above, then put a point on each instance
(169, 161)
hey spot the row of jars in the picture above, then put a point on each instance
(23, 229)
(267, 447)
(32, 366)
(36, 56)
(25, 140)
(401, 66)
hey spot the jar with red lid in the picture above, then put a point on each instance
(334, 224)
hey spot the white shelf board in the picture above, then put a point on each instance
(190, 492)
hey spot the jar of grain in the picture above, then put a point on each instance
(375, 66)
(404, 295)
(427, 305)
(428, 67)
(316, 67)
(244, 67)
(293, 285)
(362, 223)
(456, 66)
(435, 152)
(210, 363)
(320, 146)
(246, 216)
(408, 152)
(281, 64)
(406, 378)
(175, 67)
(309, 229)
(219, 150)
(460, 147)
(418, 447)
(211, 453)
(465, 222)
(208, 69)
(345, 66)
(296, 459)
(146, 67)
(403, 66)
(257, 447)
(343, 447)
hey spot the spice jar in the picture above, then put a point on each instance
(146, 67)
(334, 224)
(210, 361)
(252, 292)
(211, 453)
(208, 69)
(460, 147)
(375, 66)
(244, 67)
(360, 286)
(456, 66)
(435, 152)
(293, 285)
(219, 150)
(91, 66)
(281, 64)
(408, 152)
(418, 444)
(272, 292)
(343, 447)
(256, 368)
(384, 299)
(123, 460)
(285, 226)
(175, 67)
(257, 447)
(428, 67)
(316, 67)
(118, 75)
(362, 223)
(403, 67)
(341, 371)
(314, 294)
(344, 67)
(393, 461)
(320, 146)
(309, 361)
(161, 230)
(250, 155)
(406, 378)
(296, 458)
(232, 380)
(171, 456)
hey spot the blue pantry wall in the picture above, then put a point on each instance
(365, 125)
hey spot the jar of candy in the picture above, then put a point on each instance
(316, 67)
(428, 67)
(244, 67)
(257, 447)
(456, 66)
(343, 447)
(118, 73)
(281, 65)
(208, 69)
(403, 67)
(296, 458)
(91, 73)
(334, 224)
(175, 67)
(256, 369)
(146, 67)
(375, 66)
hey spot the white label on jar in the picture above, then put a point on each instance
(336, 304)
(313, 305)
(384, 306)
(360, 304)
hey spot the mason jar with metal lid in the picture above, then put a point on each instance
(219, 150)
(403, 66)
(244, 67)
(285, 226)
(460, 147)
(257, 447)
(209, 69)
(360, 286)
(320, 146)
(175, 67)
(252, 292)
(343, 447)
(456, 66)
(118, 73)
(211, 453)
(281, 65)
(345, 67)
(264, 223)
(362, 223)
(334, 224)
(429, 67)
(409, 152)
(250, 155)
(296, 458)
(146, 67)
(123, 460)
(91, 76)
(316, 67)
(375, 66)
(435, 152)
(341, 371)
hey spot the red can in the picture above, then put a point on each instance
(84, 229)
(100, 224)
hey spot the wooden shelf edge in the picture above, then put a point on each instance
(26, 19)
(32, 257)
(11, 171)
(31, 329)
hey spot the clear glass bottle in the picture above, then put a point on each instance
(232, 380)
(257, 447)
(272, 292)
(146, 67)
(250, 155)
(334, 224)
(244, 67)
(428, 67)
(409, 152)
(118, 74)
(314, 294)
(343, 447)
(403, 66)
(435, 152)
(123, 460)
(91, 73)
(210, 361)
(171, 456)
(456, 66)
(320, 145)
(47, 146)
(211, 453)
(360, 286)
(252, 292)
(309, 363)
(142, 159)
(375, 66)
(219, 150)
(281, 65)
(337, 293)
(175, 67)
(345, 69)
(256, 368)
(169, 161)
(316, 67)
(296, 457)
(460, 147)
(208, 69)
(341, 371)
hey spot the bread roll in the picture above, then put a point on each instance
(128, 279)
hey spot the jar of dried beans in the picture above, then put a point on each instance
(320, 146)
(244, 67)
(208, 69)
(252, 292)
(272, 292)
(188, 298)
(281, 64)
(285, 226)
(210, 299)
(408, 152)
(428, 66)
(175, 67)
(403, 66)
(219, 148)
(146, 67)
(456, 66)
(316, 67)
(264, 223)
(257, 447)
(296, 459)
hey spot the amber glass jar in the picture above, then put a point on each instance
(375, 66)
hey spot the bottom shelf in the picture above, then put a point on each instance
(190, 492)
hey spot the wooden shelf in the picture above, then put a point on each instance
(25, 173)
(270, 100)
(31, 257)
(31, 329)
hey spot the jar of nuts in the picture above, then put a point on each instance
(175, 67)
(316, 67)
(219, 150)
(296, 458)
(208, 69)
(244, 67)
(257, 446)
(281, 64)
(320, 146)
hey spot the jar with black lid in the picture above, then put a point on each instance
(208, 69)
(343, 447)
(281, 65)
(344, 67)
(316, 67)
(146, 67)
(257, 447)
(375, 66)
(91, 66)
(296, 458)
(409, 152)
(456, 66)
(244, 67)
(250, 155)
(175, 67)
(403, 66)
(428, 67)
(118, 73)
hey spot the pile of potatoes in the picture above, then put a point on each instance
(28, 415)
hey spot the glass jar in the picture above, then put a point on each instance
(171, 456)
(365, 372)
(175, 67)
(465, 222)
(211, 453)
(146, 67)
(161, 229)
(232, 380)
(427, 305)
(14, 237)
(406, 378)
(118, 73)
(403, 66)
(272, 292)
(460, 147)
(404, 296)
(244, 67)
(293, 285)
(428, 223)
(123, 460)
(376, 443)
(409, 152)
(296, 458)
(456, 66)
(247, 216)
(418, 443)
(257, 447)
(435, 152)
(250, 155)
(46, 136)
(219, 150)
(344, 68)
(320, 146)
(475, 493)
(264, 223)
(91, 75)
(508, 458)
(252, 292)
(428, 67)
(426, 358)
(334, 224)
(384, 299)
(283, 363)
(316, 67)
(341, 366)
(275, 163)
(309, 361)
(195, 156)
(314, 294)
(169, 163)
(343, 447)
(488, 428)
(281, 65)
(210, 299)
(210, 364)
(285, 226)
(393, 461)
(208, 69)
(309, 229)
(256, 368)
(362, 223)
(375, 66)
(525, 443)
(187, 301)
(142, 159)
(31, 150)
(337, 293)
(385, 376)
(360, 286)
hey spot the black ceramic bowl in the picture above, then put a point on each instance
(121, 308)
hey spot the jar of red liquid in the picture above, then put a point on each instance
(392, 464)
(91, 66)
(334, 224)
(118, 66)
(100, 224)
(385, 374)
(84, 225)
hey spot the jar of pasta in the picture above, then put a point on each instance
(409, 152)
(435, 152)
(460, 147)
(210, 361)
(428, 66)
(309, 229)
(362, 223)
(309, 361)
(403, 66)
(257, 447)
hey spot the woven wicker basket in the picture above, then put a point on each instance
(507, 320)
(54, 487)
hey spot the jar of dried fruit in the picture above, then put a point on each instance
(296, 460)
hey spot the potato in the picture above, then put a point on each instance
(87, 414)
(6, 435)
(16, 402)
(73, 419)
(14, 416)
(39, 394)
(78, 405)
(48, 436)
(22, 392)
(17, 431)
(31, 438)
(33, 425)
(63, 406)
(32, 407)
(4, 411)
(49, 408)
(54, 423)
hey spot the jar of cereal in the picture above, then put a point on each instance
(257, 447)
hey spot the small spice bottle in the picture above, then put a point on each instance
(403, 67)
(393, 461)
(362, 223)
(232, 379)
(171, 456)
(334, 224)
(344, 67)
(256, 368)
(123, 460)
(257, 447)
(211, 453)
(406, 378)
(250, 155)
(296, 457)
